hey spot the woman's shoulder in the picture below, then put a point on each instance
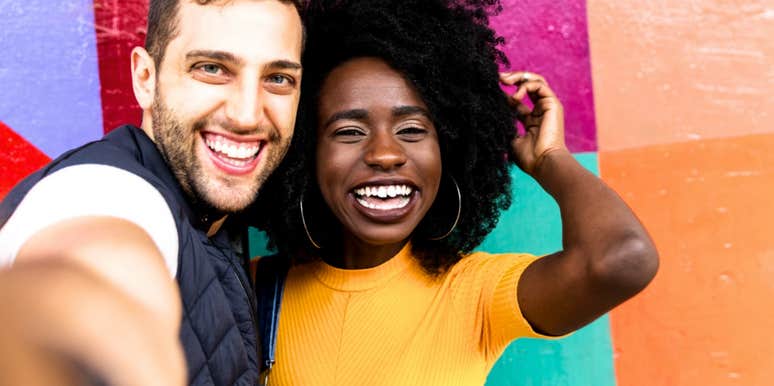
(485, 258)
(484, 264)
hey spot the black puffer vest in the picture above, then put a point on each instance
(218, 330)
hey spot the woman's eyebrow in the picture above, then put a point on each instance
(347, 114)
(409, 110)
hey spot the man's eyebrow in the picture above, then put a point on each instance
(221, 56)
(284, 65)
(347, 114)
(409, 110)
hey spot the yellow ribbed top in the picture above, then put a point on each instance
(395, 325)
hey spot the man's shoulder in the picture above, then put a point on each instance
(126, 149)
(119, 176)
(122, 148)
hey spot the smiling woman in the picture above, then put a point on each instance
(378, 158)
(399, 171)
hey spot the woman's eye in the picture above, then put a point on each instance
(412, 130)
(412, 133)
(349, 133)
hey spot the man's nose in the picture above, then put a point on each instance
(244, 108)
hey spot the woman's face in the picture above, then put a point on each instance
(378, 158)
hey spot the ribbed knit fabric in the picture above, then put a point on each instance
(396, 325)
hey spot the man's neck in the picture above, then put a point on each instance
(216, 225)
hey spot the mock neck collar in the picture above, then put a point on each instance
(355, 280)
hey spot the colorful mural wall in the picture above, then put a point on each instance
(671, 102)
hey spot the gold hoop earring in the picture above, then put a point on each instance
(303, 222)
(459, 212)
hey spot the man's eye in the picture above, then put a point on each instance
(210, 73)
(211, 69)
(280, 79)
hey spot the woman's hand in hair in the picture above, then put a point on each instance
(607, 255)
(543, 123)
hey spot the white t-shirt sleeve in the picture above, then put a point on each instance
(91, 190)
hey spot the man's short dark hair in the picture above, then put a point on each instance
(163, 21)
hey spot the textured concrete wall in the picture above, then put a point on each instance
(670, 101)
(684, 98)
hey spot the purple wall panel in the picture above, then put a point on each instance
(49, 83)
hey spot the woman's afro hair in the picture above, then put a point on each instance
(447, 51)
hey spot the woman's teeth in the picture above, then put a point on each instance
(393, 203)
(384, 197)
(384, 191)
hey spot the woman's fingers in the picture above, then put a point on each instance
(530, 85)
(519, 77)
(540, 113)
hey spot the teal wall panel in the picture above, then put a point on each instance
(582, 359)
(257, 243)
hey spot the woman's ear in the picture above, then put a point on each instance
(143, 77)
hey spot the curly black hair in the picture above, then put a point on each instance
(448, 52)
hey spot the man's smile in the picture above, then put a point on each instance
(232, 155)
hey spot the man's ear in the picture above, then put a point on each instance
(143, 77)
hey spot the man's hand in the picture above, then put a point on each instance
(64, 324)
(543, 124)
(95, 291)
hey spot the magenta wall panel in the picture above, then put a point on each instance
(551, 38)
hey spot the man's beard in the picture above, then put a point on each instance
(224, 194)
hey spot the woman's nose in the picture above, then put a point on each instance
(385, 152)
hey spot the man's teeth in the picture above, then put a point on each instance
(384, 191)
(240, 151)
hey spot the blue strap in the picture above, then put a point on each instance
(269, 285)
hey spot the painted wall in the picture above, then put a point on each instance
(670, 101)
(684, 94)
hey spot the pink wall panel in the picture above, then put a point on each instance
(681, 70)
(551, 38)
(120, 26)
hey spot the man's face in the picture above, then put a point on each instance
(226, 97)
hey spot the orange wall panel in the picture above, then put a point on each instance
(705, 320)
(674, 71)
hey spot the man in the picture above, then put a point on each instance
(96, 237)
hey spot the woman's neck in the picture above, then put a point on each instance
(357, 254)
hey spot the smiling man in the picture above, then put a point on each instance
(111, 225)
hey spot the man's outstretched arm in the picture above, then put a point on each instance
(95, 291)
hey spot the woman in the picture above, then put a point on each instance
(399, 171)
